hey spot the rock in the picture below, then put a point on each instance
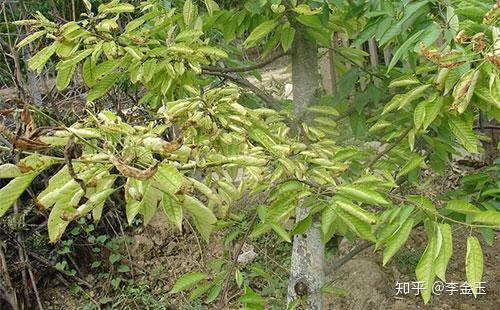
(247, 254)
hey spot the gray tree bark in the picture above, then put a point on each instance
(307, 265)
(34, 92)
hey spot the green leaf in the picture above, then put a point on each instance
(197, 209)
(37, 62)
(488, 235)
(113, 258)
(445, 251)
(250, 297)
(328, 217)
(462, 206)
(88, 5)
(403, 81)
(433, 107)
(75, 60)
(280, 208)
(386, 232)
(8, 171)
(212, 6)
(328, 289)
(324, 109)
(403, 49)
(32, 37)
(422, 201)
(199, 290)
(474, 263)
(212, 51)
(302, 226)
(401, 100)
(168, 179)
(96, 199)
(362, 194)
(312, 21)
(490, 217)
(365, 34)
(419, 114)
(287, 36)
(106, 67)
(238, 277)
(452, 19)
(115, 7)
(102, 86)
(357, 211)
(64, 77)
(123, 268)
(396, 241)
(260, 32)
(12, 191)
(464, 90)
(212, 295)
(359, 227)
(425, 270)
(188, 12)
(281, 232)
(173, 210)
(391, 33)
(414, 162)
(187, 281)
(88, 72)
(57, 222)
(134, 52)
(463, 132)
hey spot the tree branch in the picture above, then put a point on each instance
(230, 271)
(492, 127)
(393, 145)
(246, 68)
(347, 113)
(344, 259)
(270, 100)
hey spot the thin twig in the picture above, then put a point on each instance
(33, 282)
(49, 264)
(69, 154)
(247, 68)
(482, 127)
(20, 252)
(10, 294)
(225, 287)
(347, 113)
(270, 100)
(344, 259)
(393, 145)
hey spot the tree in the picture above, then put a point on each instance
(422, 105)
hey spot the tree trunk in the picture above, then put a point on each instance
(372, 46)
(33, 86)
(307, 273)
(305, 76)
(328, 70)
(387, 55)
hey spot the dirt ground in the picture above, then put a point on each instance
(371, 286)
(165, 254)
